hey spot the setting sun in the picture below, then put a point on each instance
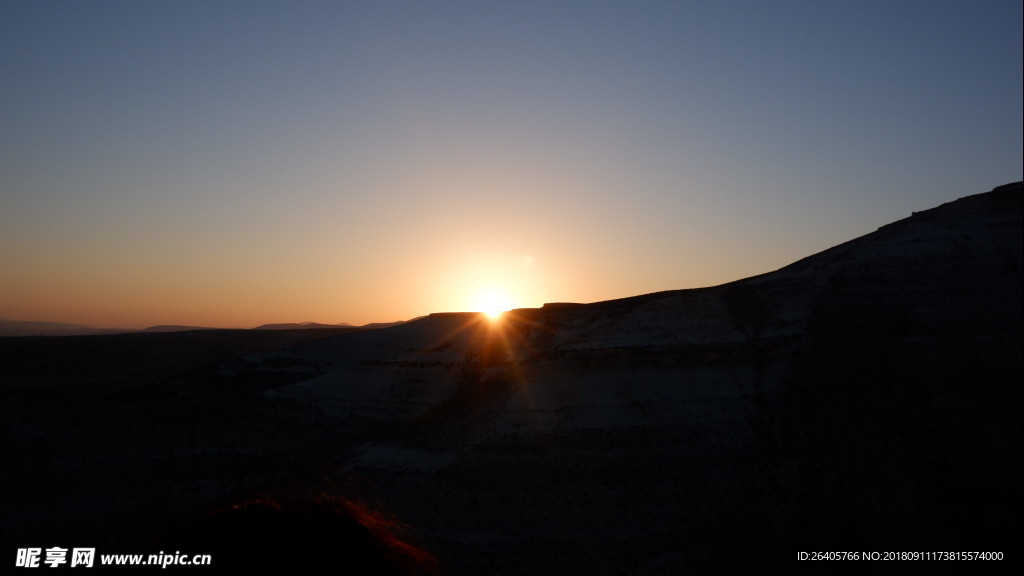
(492, 302)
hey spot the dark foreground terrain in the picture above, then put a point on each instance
(866, 398)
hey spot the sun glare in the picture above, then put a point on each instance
(492, 303)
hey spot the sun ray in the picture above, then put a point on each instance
(492, 302)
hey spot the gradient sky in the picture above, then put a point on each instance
(236, 163)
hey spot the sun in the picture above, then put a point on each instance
(492, 302)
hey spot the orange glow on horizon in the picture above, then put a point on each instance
(492, 302)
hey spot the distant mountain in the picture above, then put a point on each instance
(176, 328)
(318, 326)
(32, 328)
(379, 325)
(302, 326)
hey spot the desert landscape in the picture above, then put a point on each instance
(867, 397)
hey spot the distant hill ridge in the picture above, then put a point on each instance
(176, 328)
(301, 326)
(34, 328)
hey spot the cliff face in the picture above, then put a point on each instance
(867, 397)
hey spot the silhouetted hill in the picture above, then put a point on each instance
(865, 398)
(316, 326)
(176, 328)
(301, 326)
(32, 328)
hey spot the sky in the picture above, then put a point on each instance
(222, 163)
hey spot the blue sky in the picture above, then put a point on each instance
(235, 163)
